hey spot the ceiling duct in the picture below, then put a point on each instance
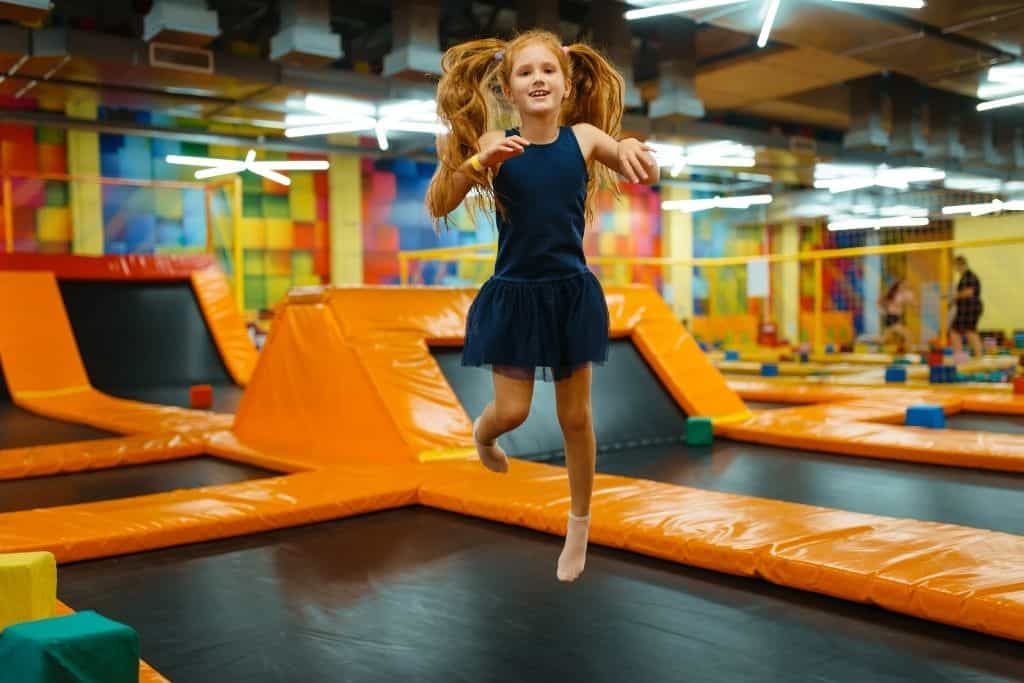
(908, 98)
(183, 22)
(31, 12)
(944, 116)
(415, 26)
(867, 116)
(677, 71)
(305, 37)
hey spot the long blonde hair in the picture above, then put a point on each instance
(470, 102)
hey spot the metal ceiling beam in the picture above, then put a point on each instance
(888, 16)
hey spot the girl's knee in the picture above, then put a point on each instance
(510, 416)
(575, 420)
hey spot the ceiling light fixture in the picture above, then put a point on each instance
(769, 19)
(338, 115)
(878, 223)
(995, 206)
(677, 8)
(695, 205)
(213, 167)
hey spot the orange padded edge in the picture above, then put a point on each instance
(225, 322)
(118, 527)
(41, 461)
(147, 674)
(109, 268)
(45, 373)
(805, 429)
(955, 575)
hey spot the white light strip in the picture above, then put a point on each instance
(995, 206)
(878, 223)
(677, 8)
(769, 19)
(908, 4)
(267, 169)
(694, 205)
(998, 104)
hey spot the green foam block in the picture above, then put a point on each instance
(83, 647)
(699, 431)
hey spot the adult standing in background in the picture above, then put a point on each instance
(968, 309)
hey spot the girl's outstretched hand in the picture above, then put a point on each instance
(636, 160)
(505, 148)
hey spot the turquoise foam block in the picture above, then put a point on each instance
(83, 647)
(699, 431)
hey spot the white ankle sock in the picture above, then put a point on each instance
(574, 553)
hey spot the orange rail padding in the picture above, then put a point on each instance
(45, 374)
(225, 322)
(118, 527)
(796, 428)
(147, 674)
(109, 268)
(941, 572)
(347, 374)
(956, 575)
(41, 461)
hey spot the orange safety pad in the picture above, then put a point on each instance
(225, 322)
(796, 428)
(955, 575)
(992, 402)
(147, 674)
(226, 444)
(684, 369)
(41, 461)
(37, 346)
(347, 373)
(129, 525)
(109, 268)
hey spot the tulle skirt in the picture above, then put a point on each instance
(542, 329)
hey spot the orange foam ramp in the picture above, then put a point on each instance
(956, 575)
(347, 373)
(147, 674)
(227, 327)
(44, 370)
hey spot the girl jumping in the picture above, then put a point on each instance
(543, 313)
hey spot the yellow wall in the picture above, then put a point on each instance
(1000, 269)
(346, 214)
(677, 242)
(84, 159)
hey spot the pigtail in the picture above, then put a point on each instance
(467, 107)
(596, 97)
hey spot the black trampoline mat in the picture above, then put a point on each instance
(999, 424)
(123, 482)
(141, 334)
(424, 595)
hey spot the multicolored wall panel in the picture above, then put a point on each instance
(394, 219)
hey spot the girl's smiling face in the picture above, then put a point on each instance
(537, 84)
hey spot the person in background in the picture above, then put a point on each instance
(968, 309)
(893, 306)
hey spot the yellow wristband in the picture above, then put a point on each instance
(475, 163)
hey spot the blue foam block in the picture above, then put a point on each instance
(703, 346)
(925, 416)
(769, 370)
(830, 348)
(895, 374)
(732, 355)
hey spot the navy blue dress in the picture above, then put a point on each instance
(542, 314)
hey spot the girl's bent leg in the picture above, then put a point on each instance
(575, 417)
(508, 410)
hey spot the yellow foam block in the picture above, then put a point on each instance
(53, 224)
(28, 587)
(279, 233)
(254, 233)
